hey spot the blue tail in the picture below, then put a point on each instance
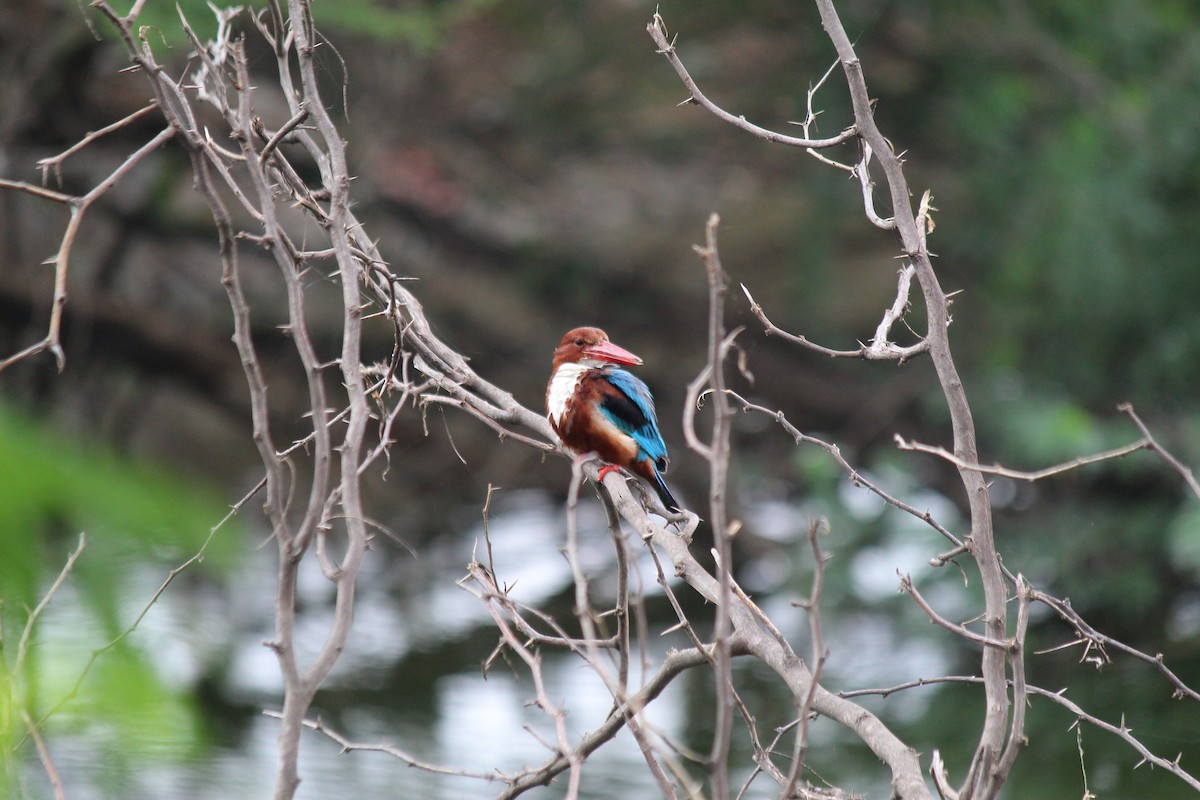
(664, 493)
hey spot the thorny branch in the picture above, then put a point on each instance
(997, 747)
(813, 606)
(880, 347)
(666, 46)
(1120, 730)
(77, 207)
(1185, 472)
(1035, 475)
(256, 195)
(982, 781)
(717, 453)
(853, 475)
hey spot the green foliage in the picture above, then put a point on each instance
(51, 488)
(134, 515)
(1074, 125)
(1037, 428)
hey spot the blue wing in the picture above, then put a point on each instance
(631, 409)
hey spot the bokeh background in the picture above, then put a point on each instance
(527, 163)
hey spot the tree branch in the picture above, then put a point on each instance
(658, 32)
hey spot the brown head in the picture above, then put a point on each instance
(591, 345)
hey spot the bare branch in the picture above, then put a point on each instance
(78, 207)
(1121, 731)
(174, 573)
(856, 477)
(349, 401)
(281, 134)
(31, 620)
(906, 585)
(717, 452)
(349, 746)
(1094, 639)
(1152, 443)
(1036, 475)
(1016, 736)
(53, 164)
(39, 191)
(813, 607)
(658, 32)
(862, 170)
(980, 782)
(880, 349)
(749, 637)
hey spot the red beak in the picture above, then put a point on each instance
(607, 351)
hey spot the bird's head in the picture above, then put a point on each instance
(591, 347)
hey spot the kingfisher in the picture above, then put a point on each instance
(597, 407)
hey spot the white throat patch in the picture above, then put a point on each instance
(562, 387)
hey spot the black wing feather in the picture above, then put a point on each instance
(625, 410)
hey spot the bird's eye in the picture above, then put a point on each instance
(579, 342)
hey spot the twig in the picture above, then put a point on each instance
(1036, 475)
(813, 606)
(349, 746)
(54, 163)
(1016, 737)
(78, 207)
(18, 670)
(1152, 443)
(31, 621)
(282, 133)
(880, 348)
(855, 477)
(658, 32)
(717, 453)
(1123, 732)
(862, 170)
(43, 754)
(533, 663)
(1005, 645)
(1101, 641)
(129, 629)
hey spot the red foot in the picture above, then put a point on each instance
(607, 468)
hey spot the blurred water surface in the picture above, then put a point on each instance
(192, 724)
(411, 674)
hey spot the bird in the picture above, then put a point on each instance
(596, 407)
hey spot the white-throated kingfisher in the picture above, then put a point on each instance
(597, 407)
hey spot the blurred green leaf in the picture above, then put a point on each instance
(135, 515)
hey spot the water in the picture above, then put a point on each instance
(180, 715)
